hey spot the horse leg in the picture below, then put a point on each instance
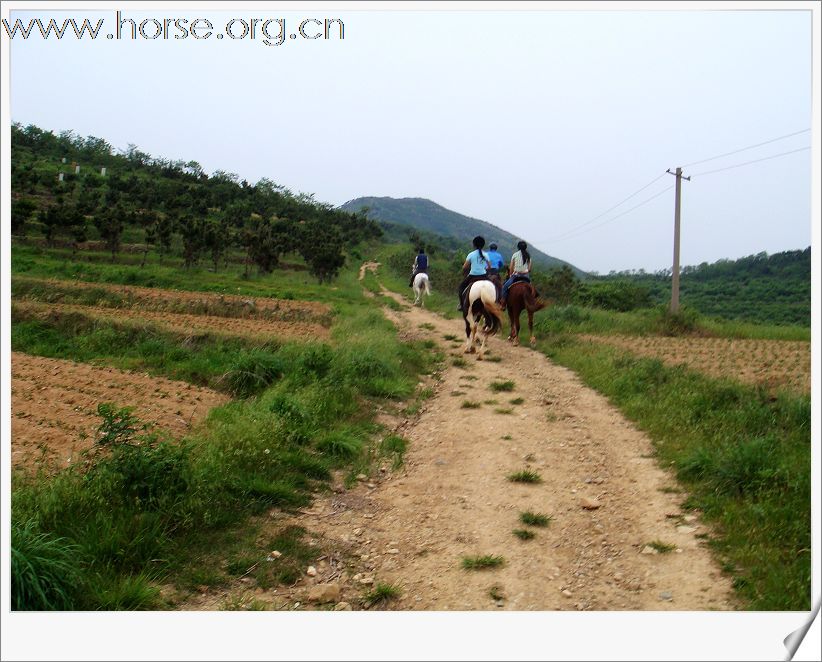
(531, 328)
(515, 329)
(468, 347)
(511, 325)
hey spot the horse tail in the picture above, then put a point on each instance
(492, 316)
(532, 303)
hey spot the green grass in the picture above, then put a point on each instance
(394, 446)
(498, 387)
(742, 454)
(481, 562)
(525, 476)
(427, 326)
(503, 410)
(381, 594)
(176, 511)
(517, 401)
(524, 534)
(534, 519)
(450, 336)
(495, 593)
(661, 547)
(459, 362)
(470, 404)
(493, 359)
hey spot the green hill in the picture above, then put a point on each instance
(425, 215)
(772, 289)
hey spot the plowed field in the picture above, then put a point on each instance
(54, 406)
(183, 322)
(770, 363)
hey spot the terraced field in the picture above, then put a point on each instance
(769, 363)
(179, 301)
(54, 406)
(180, 322)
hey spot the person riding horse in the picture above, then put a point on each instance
(475, 268)
(496, 267)
(420, 266)
(519, 270)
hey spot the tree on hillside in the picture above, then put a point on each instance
(216, 239)
(21, 211)
(110, 225)
(321, 247)
(191, 232)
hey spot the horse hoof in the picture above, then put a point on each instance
(533, 341)
(479, 357)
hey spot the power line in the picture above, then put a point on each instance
(736, 151)
(620, 215)
(739, 165)
(610, 209)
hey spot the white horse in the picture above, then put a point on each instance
(482, 304)
(421, 283)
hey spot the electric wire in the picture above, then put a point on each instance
(739, 165)
(743, 149)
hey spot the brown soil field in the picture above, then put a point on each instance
(769, 363)
(54, 407)
(181, 322)
(224, 305)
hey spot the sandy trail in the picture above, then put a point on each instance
(452, 498)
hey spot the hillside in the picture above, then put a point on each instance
(423, 214)
(774, 289)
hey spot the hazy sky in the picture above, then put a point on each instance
(534, 121)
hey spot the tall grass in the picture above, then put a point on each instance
(743, 454)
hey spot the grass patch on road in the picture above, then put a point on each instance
(534, 519)
(482, 562)
(525, 476)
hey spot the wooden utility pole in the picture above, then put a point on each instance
(675, 270)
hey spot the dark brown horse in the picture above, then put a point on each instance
(522, 296)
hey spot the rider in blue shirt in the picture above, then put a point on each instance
(496, 260)
(476, 266)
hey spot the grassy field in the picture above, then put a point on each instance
(150, 510)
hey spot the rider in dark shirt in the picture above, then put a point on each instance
(420, 266)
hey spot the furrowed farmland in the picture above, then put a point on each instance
(223, 398)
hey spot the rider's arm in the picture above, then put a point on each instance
(466, 267)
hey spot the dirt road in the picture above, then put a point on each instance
(606, 497)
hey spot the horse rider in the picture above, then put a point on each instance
(475, 268)
(496, 267)
(420, 266)
(519, 270)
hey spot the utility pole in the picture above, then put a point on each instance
(675, 271)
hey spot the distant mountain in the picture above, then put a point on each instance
(426, 215)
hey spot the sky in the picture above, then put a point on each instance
(536, 121)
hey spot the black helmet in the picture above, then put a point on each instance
(493, 247)
(479, 241)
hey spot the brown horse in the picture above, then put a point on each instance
(522, 296)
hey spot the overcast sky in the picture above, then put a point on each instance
(535, 121)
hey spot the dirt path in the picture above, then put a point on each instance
(452, 499)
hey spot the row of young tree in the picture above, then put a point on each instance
(172, 205)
